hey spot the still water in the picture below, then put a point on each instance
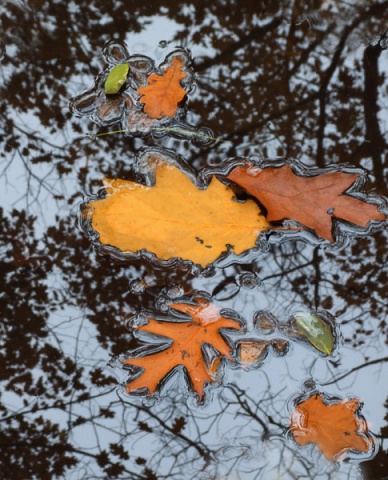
(304, 80)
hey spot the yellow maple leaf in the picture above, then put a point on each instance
(174, 218)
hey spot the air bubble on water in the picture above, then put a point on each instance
(162, 303)
(137, 286)
(175, 292)
(84, 104)
(141, 64)
(309, 385)
(204, 136)
(248, 280)
(163, 44)
(115, 52)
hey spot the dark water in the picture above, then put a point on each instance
(303, 79)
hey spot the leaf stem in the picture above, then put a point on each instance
(167, 129)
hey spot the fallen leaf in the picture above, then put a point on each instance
(186, 350)
(114, 100)
(163, 92)
(311, 201)
(280, 346)
(316, 330)
(174, 218)
(252, 353)
(265, 321)
(116, 78)
(336, 428)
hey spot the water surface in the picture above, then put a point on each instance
(306, 80)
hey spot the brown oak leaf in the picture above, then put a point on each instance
(311, 201)
(336, 428)
(186, 349)
(163, 92)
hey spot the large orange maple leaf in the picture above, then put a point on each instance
(311, 201)
(186, 349)
(163, 92)
(336, 428)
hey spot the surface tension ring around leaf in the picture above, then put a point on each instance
(200, 325)
(177, 214)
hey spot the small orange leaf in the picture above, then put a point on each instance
(186, 349)
(174, 218)
(311, 201)
(336, 428)
(252, 352)
(280, 346)
(163, 92)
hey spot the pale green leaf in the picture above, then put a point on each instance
(316, 331)
(116, 78)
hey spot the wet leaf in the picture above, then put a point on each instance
(280, 346)
(336, 428)
(186, 350)
(265, 321)
(311, 201)
(252, 353)
(316, 330)
(174, 218)
(163, 92)
(116, 78)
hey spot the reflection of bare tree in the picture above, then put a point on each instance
(374, 140)
(290, 78)
(124, 437)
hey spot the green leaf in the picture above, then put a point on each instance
(316, 330)
(116, 78)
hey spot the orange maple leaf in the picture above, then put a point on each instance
(336, 428)
(163, 92)
(311, 201)
(186, 349)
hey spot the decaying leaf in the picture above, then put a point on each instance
(174, 218)
(316, 330)
(137, 86)
(336, 428)
(311, 201)
(280, 346)
(252, 353)
(186, 350)
(265, 321)
(163, 92)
